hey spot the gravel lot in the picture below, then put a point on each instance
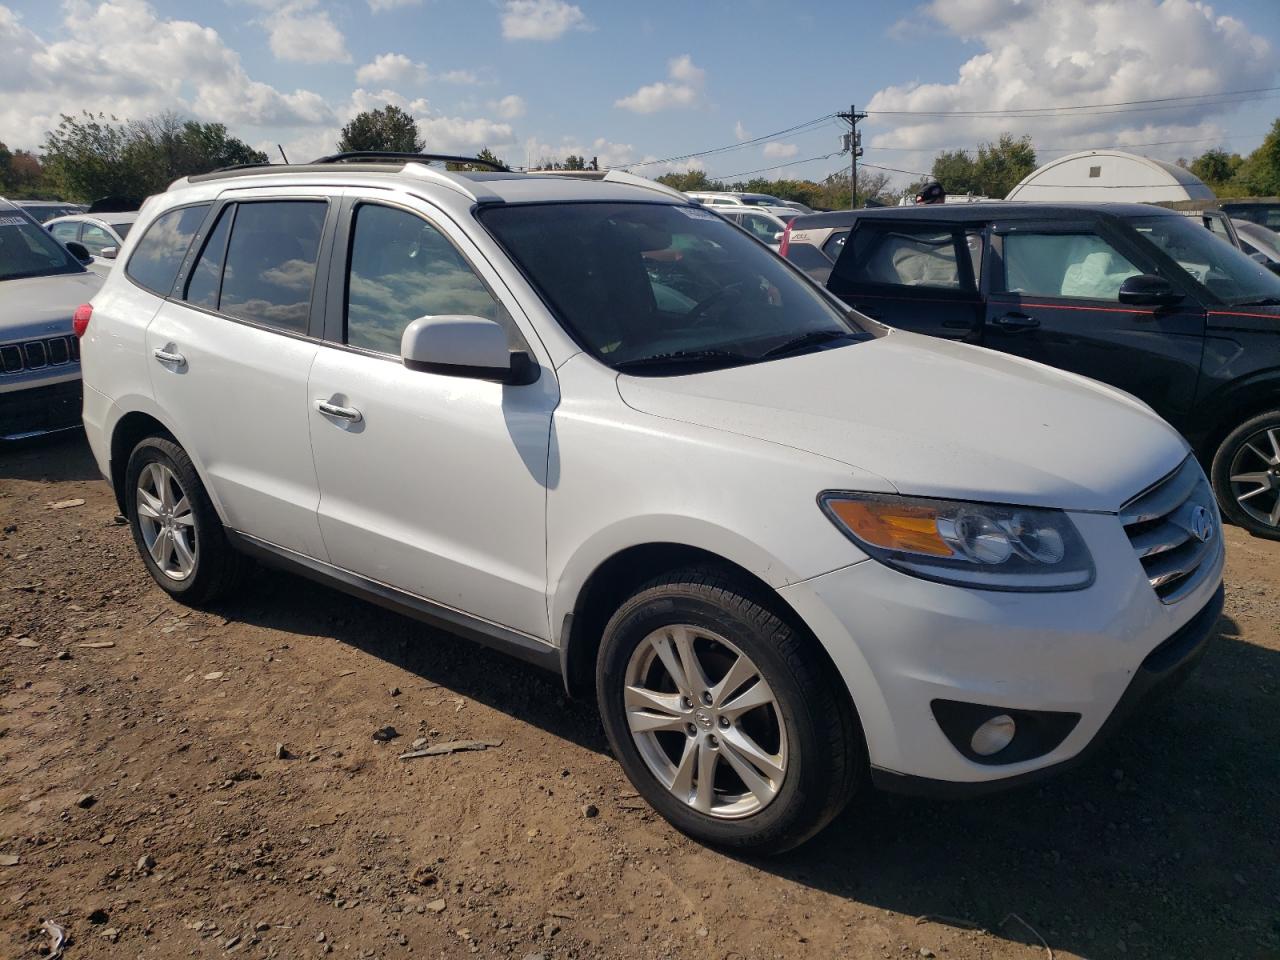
(203, 783)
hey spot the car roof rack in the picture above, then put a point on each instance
(391, 156)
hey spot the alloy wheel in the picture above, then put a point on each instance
(705, 721)
(166, 521)
(1255, 476)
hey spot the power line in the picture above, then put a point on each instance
(1177, 103)
(910, 173)
(732, 146)
(789, 163)
(1110, 146)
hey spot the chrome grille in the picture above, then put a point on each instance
(38, 354)
(1165, 524)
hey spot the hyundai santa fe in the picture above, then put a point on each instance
(789, 551)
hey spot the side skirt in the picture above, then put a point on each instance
(504, 639)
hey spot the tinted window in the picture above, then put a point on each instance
(403, 268)
(1066, 265)
(760, 227)
(661, 288)
(122, 229)
(28, 250)
(206, 278)
(97, 239)
(1224, 270)
(834, 244)
(811, 260)
(901, 254)
(65, 231)
(271, 262)
(159, 253)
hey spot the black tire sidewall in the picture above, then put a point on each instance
(1220, 474)
(168, 453)
(800, 801)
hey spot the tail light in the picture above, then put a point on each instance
(785, 245)
(80, 319)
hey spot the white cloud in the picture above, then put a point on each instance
(509, 107)
(392, 69)
(540, 19)
(1043, 53)
(379, 6)
(607, 153)
(121, 58)
(299, 32)
(464, 135)
(466, 77)
(773, 150)
(740, 132)
(682, 89)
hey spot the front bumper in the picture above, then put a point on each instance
(902, 644)
(39, 410)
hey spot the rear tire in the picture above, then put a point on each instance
(1246, 475)
(779, 771)
(175, 527)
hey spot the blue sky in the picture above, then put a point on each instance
(630, 82)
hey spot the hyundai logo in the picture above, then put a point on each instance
(1200, 523)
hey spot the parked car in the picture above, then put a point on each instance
(592, 424)
(41, 285)
(1258, 242)
(44, 210)
(733, 198)
(797, 206)
(101, 233)
(763, 224)
(1264, 212)
(1129, 294)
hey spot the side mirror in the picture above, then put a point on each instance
(80, 252)
(462, 346)
(109, 253)
(777, 237)
(1148, 290)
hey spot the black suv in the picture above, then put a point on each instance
(1136, 296)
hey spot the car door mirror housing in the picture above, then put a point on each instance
(464, 346)
(79, 251)
(1148, 290)
(109, 253)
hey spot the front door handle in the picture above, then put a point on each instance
(1014, 322)
(349, 414)
(165, 356)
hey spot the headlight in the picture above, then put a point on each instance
(981, 545)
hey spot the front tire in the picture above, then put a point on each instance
(1246, 475)
(726, 718)
(175, 527)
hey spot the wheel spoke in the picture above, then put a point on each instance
(642, 698)
(756, 695)
(186, 559)
(706, 789)
(738, 743)
(1275, 445)
(682, 637)
(148, 506)
(182, 513)
(1274, 519)
(160, 549)
(1250, 478)
(164, 486)
(762, 789)
(1259, 454)
(1251, 494)
(738, 674)
(665, 649)
(682, 785)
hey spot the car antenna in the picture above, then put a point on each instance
(282, 153)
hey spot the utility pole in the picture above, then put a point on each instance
(853, 144)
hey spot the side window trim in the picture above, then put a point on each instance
(185, 292)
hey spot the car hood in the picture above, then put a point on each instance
(936, 419)
(41, 306)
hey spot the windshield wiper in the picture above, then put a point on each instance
(680, 357)
(806, 340)
(1260, 302)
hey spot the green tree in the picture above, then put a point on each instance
(6, 168)
(690, 180)
(388, 128)
(85, 158)
(485, 154)
(1001, 165)
(956, 171)
(1259, 173)
(1215, 166)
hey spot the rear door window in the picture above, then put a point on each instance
(66, 232)
(161, 250)
(902, 254)
(96, 239)
(270, 264)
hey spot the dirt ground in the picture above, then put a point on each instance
(144, 807)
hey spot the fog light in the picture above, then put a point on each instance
(994, 735)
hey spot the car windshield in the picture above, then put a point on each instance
(662, 288)
(28, 250)
(1228, 274)
(761, 200)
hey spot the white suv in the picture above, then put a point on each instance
(592, 424)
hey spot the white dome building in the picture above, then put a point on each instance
(1110, 175)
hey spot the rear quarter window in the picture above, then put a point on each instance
(159, 254)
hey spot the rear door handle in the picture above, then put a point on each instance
(164, 356)
(349, 414)
(1014, 321)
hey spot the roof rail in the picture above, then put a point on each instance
(631, 179)
(474, 190)
(392, 156)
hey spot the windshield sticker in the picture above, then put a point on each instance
(697, 213)
(12, 222)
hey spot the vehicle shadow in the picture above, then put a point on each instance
(57, 458)
(1164, 845)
